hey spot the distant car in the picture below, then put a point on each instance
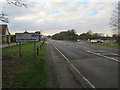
(99, 41)
(93, 40)
(78, 40)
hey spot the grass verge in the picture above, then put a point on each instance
(25, 71)
(113, 45)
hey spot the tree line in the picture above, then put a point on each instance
(71, 35)
(66, 35)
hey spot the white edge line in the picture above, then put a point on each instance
(103, 56)
(74, 67)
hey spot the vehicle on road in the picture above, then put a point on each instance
(78, 40)
(97, 40)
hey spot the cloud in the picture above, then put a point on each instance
(51, 16)
(1, 1)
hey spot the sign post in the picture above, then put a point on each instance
(37, 51)
(34, 49)
(27, 37)
(20, 49)
(40, 46)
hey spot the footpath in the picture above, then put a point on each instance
(59, 74)
(7, 45)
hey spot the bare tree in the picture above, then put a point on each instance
(4, 18)
(115, 19)
(19, 3)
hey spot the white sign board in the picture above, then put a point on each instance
(27, 37)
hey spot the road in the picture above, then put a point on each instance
(59, 72)
(97, 64)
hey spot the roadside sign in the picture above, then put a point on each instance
(27, 37)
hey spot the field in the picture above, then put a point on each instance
(26, 71)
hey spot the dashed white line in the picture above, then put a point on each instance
(74, 67)
(103, 56)
(114, 54)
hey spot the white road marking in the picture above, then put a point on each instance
(60, 53)
(107, 52)
(103, 56)
(101, 51)
(114, 54)
(74, 67)
(83, 47)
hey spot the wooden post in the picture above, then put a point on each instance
(34, 50)
(20, 49)
(42, 42)
(37, 51)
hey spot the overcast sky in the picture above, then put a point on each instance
(53, 16)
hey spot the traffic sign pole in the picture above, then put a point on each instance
(34, 50)
(37, 51)
(20, 49)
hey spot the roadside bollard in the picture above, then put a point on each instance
(37, 51)
(43, 42)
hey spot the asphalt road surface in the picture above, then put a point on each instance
(98, 64)
(59, 72)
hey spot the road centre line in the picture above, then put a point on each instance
(74, 66)
(102, 56)
(114, 54)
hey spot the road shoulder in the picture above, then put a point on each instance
(59, 74)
